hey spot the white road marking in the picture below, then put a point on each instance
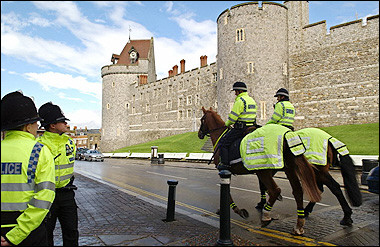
(165, 175)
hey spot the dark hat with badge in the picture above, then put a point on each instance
(282, 91)
(51, 114)
(17, 110)
(239, 86)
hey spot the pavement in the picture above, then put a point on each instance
(114, 216)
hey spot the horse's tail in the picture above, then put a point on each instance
(309, 183)
(347, 169)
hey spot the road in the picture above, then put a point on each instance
(198, 190)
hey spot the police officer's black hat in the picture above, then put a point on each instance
(282, 91)
(51, 114)
(239, 86)
(17, 110)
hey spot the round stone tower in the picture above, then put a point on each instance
(252, 48)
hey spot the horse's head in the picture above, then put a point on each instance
(204, 129)
(210, 122)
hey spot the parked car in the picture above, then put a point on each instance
(91, 155)
(80, 153)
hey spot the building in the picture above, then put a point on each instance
(332, 75)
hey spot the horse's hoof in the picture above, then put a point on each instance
(260, 206)
(244, 213)
(279, 197)
(218, 212)
(346, 222)
(264, 223)
(298, 232)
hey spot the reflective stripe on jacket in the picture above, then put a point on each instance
(63, 149)
(27, 182)
(283, 114)
(243, 110)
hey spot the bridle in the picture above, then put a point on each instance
(208, 131)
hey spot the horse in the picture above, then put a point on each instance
(333, 158)
(296, 168)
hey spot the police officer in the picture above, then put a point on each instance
(242, 116)
(283, 114)
(27, 174)
(63, 149)
(284, 111)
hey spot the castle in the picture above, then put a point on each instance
(332, 77)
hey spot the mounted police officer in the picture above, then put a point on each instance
(27, 174)
(283, 114)
(284, 111)
(63, 149)
(242, 116)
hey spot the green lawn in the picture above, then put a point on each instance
(361, 139)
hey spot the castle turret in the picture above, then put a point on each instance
(134, 66)
(253, 48)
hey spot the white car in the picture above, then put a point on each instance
(93, 155)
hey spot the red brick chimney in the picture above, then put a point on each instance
(170, 73)
(175, 70)
(182, 65)
(143, 79)
(203, 60)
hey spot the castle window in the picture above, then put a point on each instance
(285, 69)
(197, 99)
(126, 106)
(215, 76)
(169, 104)
(240, 36)
(189, 100)
(189, 113)
(133, 110)
(250, 69)
(147, 108)
(263, 110)
(113, 84)
(179, 101)
(108, 106)
(133, 98)
(180, 114)
(170, 89)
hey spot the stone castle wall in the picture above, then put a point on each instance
(333, 79)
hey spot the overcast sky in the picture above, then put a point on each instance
(54, 51)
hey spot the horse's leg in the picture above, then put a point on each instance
(265, 176)
(290, 171)
(242, 212)
(334, 186)
(263, 196)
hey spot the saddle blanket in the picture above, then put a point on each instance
(316, 144)
(263, 148)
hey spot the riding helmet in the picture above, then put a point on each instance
(239, 86)
(17, 110)
(282, 91)
(51, 114)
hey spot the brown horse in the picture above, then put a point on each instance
(324, 178)
(296, 168)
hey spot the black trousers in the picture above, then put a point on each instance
(227, 140)
(64, 209)
(38, 237)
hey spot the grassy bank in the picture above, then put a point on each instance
(361, 139)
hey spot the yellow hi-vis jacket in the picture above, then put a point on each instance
(63, 149)
(243, 110)
(27, 182)
(283, 114)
